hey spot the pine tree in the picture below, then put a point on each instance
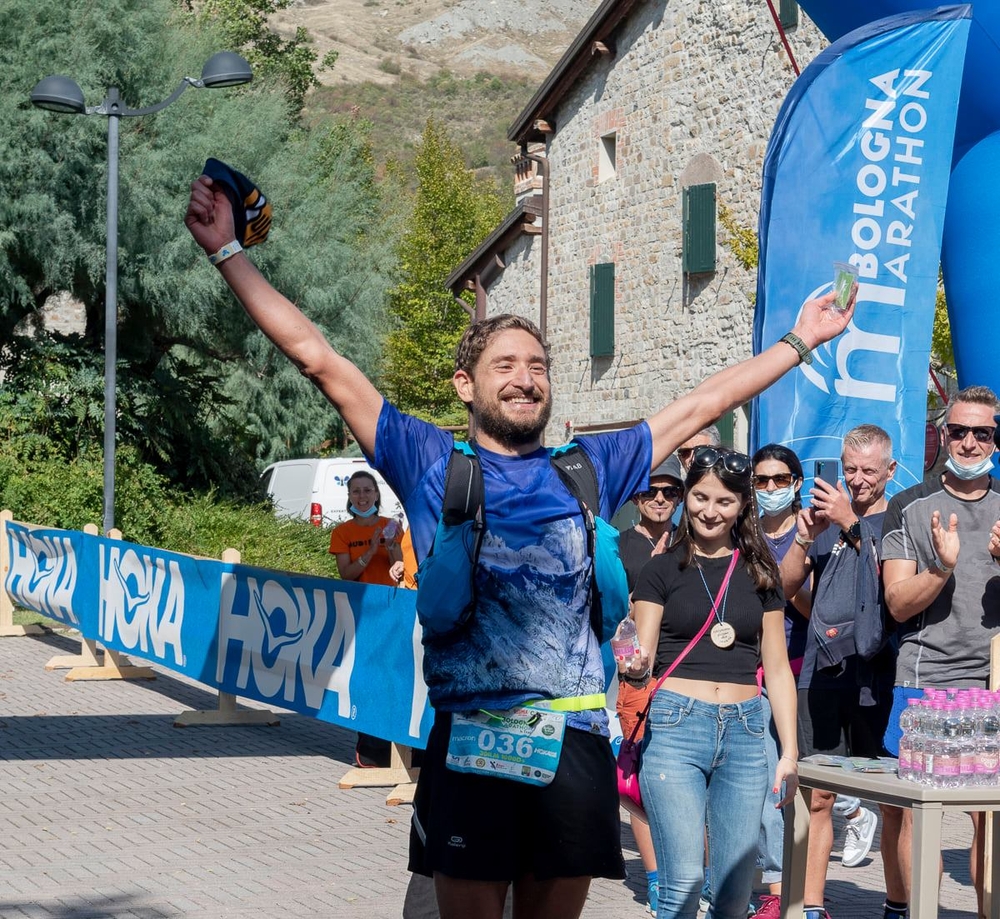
(452, 214)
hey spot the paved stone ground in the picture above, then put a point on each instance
(109, 812)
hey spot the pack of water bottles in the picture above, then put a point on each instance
(951, 738)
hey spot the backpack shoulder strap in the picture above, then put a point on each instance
(463, 486)
(578, 474)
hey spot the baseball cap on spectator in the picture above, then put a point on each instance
(671, 467)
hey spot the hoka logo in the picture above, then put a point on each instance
(141, 602)
(43, 572)
(293, 642)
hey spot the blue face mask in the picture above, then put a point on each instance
(774, 502)
(967, 473)
(368, 513)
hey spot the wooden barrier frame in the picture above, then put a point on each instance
(7, 627)
(226, 713)
(85, 665)
(400, 773)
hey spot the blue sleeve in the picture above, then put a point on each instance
(413, 455)
(623, 460)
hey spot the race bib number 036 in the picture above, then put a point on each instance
(522, 744)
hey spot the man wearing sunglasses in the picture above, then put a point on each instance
(844, 699)
(656, 506)
(940, 572)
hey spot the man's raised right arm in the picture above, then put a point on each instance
(209, 218)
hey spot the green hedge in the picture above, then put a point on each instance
(43, 488)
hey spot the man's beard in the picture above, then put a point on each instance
(511, 432)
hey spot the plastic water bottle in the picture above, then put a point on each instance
(948, 757)
(625, 644)
(987, 742)
(967, 739)
(931, 720)
(909, 723)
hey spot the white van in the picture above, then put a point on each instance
(316, 489)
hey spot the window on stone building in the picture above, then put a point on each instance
(607, 163)
(788, 14)
(602, 309)
(699, 228)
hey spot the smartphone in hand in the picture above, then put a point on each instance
(828, 471)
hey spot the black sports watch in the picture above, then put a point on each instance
(853, 532)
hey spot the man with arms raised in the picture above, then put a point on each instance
(529, 637)
(940, 545)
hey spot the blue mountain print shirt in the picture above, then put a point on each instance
(530, 636)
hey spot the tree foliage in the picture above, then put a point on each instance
(195, 376)
(453, 213)
(243, 24)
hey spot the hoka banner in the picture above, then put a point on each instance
(339, 651)
(857, 170)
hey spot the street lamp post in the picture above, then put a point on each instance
(62, 95)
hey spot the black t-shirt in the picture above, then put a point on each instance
(686, 604)
(635, 550)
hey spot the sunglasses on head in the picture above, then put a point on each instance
(669, 492)
(709, 457)
(781, 480)
(982, 434)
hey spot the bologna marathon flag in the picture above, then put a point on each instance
(857, 170)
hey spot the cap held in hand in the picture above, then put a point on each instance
(251, 210)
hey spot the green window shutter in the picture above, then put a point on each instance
(602, 309)
(699, 228)
(727, 429)
(788, 14)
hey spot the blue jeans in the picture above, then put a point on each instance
(770, 844)
(704, 765)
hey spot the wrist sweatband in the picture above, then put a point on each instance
(799, 346)
(227, 251)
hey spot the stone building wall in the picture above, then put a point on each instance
(691, 95)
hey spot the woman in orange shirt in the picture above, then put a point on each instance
(367, 546)
(367, 549)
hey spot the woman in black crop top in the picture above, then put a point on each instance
(704, 762)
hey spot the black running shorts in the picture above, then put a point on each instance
(494, 829)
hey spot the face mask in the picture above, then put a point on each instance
(368, 513)
(774, 502)
(967, 473)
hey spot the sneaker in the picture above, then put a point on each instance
(858, 836)
(652, 895)
(769, 907)
(889, 912)
(815, 914)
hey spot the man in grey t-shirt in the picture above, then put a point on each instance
(940, 546)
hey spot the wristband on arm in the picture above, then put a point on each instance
(227, 251)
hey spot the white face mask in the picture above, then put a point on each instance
(774, 502)
(967, 473)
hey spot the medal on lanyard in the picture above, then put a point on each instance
(723, 635)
